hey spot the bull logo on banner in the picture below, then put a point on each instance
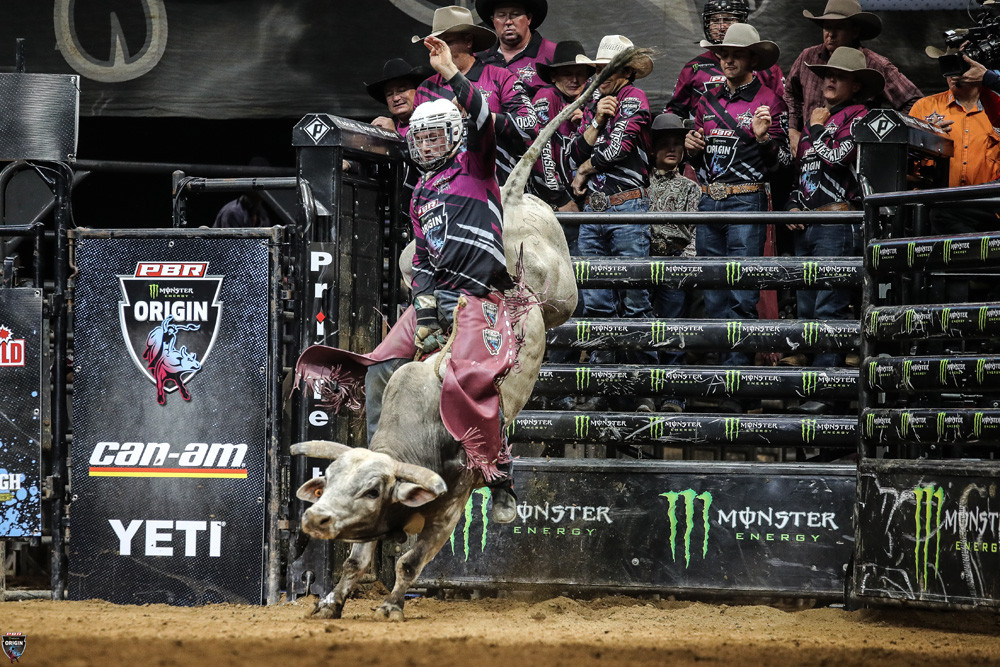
(160, 301)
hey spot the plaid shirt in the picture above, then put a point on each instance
(804, 89)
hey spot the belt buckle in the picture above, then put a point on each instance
(717, 191)
(598, 201)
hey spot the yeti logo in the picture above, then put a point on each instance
(159, 301)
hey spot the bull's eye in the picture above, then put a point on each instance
(318, 493)
(371, 493)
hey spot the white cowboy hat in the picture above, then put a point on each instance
(611, 46)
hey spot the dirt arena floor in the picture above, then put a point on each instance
(507, 631)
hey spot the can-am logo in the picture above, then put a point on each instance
(216, 460)
(161, 300)
(11, 349)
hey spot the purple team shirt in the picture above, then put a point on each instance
(826, 156)
(552, 173)
(524, 65)
(704, 72)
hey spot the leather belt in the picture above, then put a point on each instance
(599, 201)
(720, 191)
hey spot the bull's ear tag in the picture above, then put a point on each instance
(412, 495)
(312, 490)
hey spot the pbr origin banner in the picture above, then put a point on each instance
(665, 526)
(286, 58)
(20, 427)
(170, 405)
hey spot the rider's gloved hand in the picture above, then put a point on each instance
(429, 335)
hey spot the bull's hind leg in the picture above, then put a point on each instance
(332, 604)
(409, 566)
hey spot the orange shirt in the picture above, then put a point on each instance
(977, 142)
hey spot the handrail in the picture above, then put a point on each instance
(966, 192)
(714, 217)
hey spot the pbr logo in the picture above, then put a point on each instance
(161, 300)
(13, 645)
(490, 311)
(493, 341)
(11, 349)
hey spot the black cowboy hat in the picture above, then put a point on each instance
(537, 8)
(564, 55)
(397, 68)
(668, 122)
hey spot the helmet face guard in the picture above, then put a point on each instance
(713, 8)
(435, 133)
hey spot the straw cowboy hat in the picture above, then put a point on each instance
(846, 59)
(745, 36)
(611, 46)
(564, 55)
(869, 26)
(397, 68)
(458, 20)
(935, 52)
(537, 8)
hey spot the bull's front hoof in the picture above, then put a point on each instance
(389, 612)
(326, 611)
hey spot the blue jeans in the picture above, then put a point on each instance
(725, 240)
(618, 240)
(826, 241)
(669, 303)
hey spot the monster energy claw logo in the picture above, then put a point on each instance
(733, 381)
(484, 496)
(876, 255)
(984, 247)
(872, 374)
(869, 424)
(657, 379)
(907, 370)
(154, 290)
(582, 378)
(908, 320)
(810, 332)
(810, 271)
(689, 496)
(929, 502)
(582, 330)
(943, 372)
(734, 332)
(945, 319)
(657, 427)
(810, 382)
(904, 424)
(946, 251)
(658, 272)
(941, 416)
(873, 322)
(808, 430)
(658, 332)
(982, 318)
(734, 271)
(977, 424)
(980, 370)
(910, 252)
(582, 271)
(581, 425)
(732, 428)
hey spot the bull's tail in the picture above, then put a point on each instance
(513, 189)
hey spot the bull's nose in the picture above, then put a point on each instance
(316, 521)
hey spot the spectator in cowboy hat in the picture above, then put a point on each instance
(613, 173)
(519, 48)
(828, 181)
(513, 116)
(843, 24)
(740, 138)
(704, 71)
(396, 89)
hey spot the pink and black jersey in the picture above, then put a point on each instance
(704, 72)
(827, 155)
(516, 124)
(552, 173)
(525, 64)
(621, 152)
(456, 213)
(732, 154)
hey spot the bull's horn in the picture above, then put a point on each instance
(320, 449)
(421, 476)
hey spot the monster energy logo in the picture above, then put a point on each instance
(873, 322)
(945, 319)
(977, 424)
(908, 320)
(658, 272)
(810, 382)
(582, 269)
(657, 426)
(582, 330)
(904, 424)
(941, 416)
(947, 251)
(733, 381)
(911, 248)
(876, 255)
(810, 271)
(984, 247)
(657, 379)
(732, 428)
(581, 426)
(810, 332)
(689, 497)
(808, 430)
(982, 318)
(154, 291)
(980, 370)
(943, 372)
(734, 271)
(929, 502)
(869, 424)
(907, 370)
(582, 378)
(872, 373)
(734, 332)
(658, 330)
(484, 496)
